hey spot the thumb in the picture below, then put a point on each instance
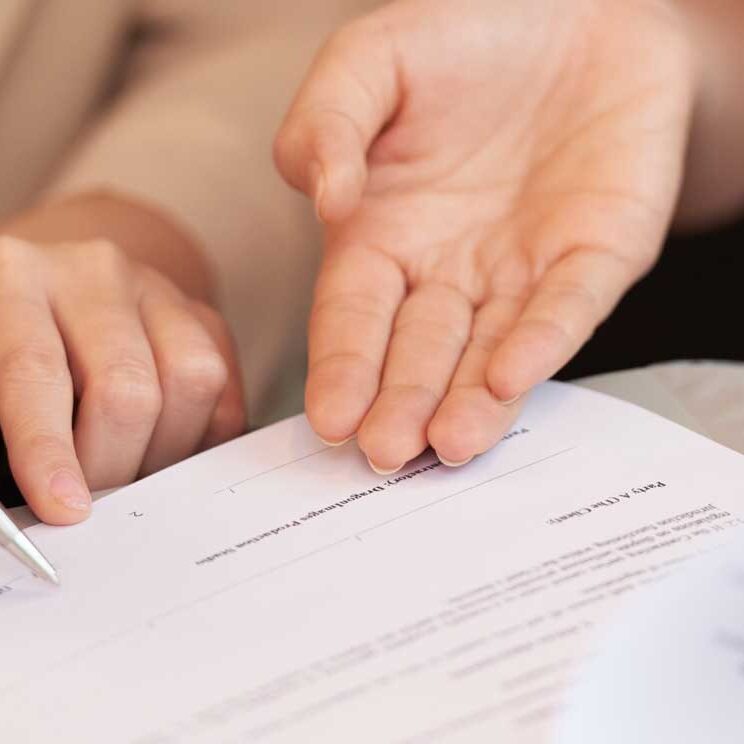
(348, 96)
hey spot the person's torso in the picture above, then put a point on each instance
(55, 58)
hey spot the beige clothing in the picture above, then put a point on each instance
(200, 88)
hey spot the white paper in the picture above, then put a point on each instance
(670, 669)
(275, 590)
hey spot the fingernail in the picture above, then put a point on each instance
(319, 188)
(452, 463)
(67, 490)
(383, 471)
(509, 402)
(335, 444)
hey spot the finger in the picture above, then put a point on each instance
(351, 92)
(471, 419)
(36, 395)
(112, 364)
(571, 300)
(228, 418)
(431, 330)
(357, 296)
(191, 371)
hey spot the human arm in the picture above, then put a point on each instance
(494, 177)
(107, 310)
(713, 188)
(186, 142)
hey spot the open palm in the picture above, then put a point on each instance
(494, 176)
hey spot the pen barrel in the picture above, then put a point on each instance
(19, 545)
(8, 530)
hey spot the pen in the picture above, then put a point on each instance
(17, 544)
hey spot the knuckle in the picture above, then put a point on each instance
(104, 256)
(106, 250)
(432, 333)
(31, 449)
(567, 292)
(416, 390)
(211, 317)
(153, 277)
(363, 305)
(35, 364)
(12, 253)
(487, 341)
(97, 262)
(128, 394)
(46, 447)
(557, 333)
(229, 421)
(196, 377)
(153, 282)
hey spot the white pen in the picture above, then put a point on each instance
(24, 550)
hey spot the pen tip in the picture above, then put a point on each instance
(28, 554)
(47, 573)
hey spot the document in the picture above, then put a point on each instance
(670, 666)
(276, 590)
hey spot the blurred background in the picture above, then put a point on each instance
(687, 308)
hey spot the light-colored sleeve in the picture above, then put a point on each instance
(191, 133)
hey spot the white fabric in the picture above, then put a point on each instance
(705, 396)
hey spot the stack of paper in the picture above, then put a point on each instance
(276, 590)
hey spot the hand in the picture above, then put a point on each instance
(494, 176)
(152, 371)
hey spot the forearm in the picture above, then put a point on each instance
(143, 232)
(713, 190)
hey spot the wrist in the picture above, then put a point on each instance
(713, 189)
(142, 232)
